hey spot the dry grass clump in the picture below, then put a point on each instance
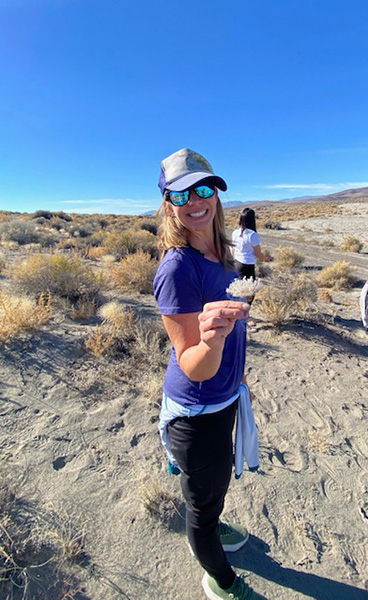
(96, 252)
(339, 276)
(35, 547)
(351, 244)
(159, 503)
(143, 342)
(116, 334)
(83, 308)
(60, 275)
(288, 259)
(101, 341)
(118, 317)
(129, 241)
(285, 296)
(324, 295)
(19, 314)
(135, 272)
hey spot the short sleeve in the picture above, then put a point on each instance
(178, 288)
(254, 239)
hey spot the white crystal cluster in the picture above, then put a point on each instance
(244, 288)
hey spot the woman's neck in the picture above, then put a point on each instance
(204, 244)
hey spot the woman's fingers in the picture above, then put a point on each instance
(224, 310)
(223, 304)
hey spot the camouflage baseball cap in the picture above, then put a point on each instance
(185, 168)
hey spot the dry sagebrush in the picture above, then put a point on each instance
(19, 314)
(123, 243)
(142, 341)
(339, 276)
(287, 259)
(135, 272)
(351, 244)
(60, 275)
(287, 296)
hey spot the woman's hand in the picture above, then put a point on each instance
(217, 320)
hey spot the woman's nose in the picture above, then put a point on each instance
(193, 196)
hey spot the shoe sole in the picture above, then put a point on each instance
(207, 590)
(227, 547)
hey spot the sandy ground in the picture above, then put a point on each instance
(79, 445)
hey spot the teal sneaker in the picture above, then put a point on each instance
(240, 590)
(232, 536)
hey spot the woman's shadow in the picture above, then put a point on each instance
(254, 557)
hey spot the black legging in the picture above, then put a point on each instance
(203, 449)
(245, 270)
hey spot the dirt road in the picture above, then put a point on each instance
(317, 256)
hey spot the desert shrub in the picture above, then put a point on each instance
(2, 262)
(19, 314)
(270, 224)
(96, 252)
(143, 341)
(287, 295)
(36, 545)
(159, 502)
(129, 241)
(45, 214)
(351, 244)
(118, 317)
(67, 244)
(149, 225)
(62, 215)
(288, 259)
(26, 232)
(135, 272)
(108, 260)
(324, 295)
(340, 276)
(60, 275)
(83, 308)
(101, 341)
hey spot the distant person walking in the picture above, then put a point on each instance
(247, 245)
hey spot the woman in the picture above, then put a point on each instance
(206, 368)
(247, 246)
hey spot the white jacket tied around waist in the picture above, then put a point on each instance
(246, 435)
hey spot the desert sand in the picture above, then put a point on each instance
(80, 449)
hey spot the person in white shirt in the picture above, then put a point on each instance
(247, 245)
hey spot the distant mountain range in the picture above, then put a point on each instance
(354, 194)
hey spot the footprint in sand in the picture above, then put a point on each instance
(309, 414)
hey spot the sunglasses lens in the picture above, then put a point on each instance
(204, 191)
(179, 198)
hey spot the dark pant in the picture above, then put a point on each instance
(245, 270)
(203, 449)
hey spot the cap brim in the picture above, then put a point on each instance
(185, 182)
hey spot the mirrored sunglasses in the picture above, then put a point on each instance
(181, 198)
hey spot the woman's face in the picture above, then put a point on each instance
(198, 213)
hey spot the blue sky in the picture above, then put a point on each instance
(94, 94)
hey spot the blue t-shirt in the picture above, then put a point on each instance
(184, 282)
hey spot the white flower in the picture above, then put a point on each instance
(244, 288)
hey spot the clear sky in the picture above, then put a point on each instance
(94, 93)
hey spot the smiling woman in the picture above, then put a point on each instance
(204, 386)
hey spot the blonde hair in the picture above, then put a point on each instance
(173, 234)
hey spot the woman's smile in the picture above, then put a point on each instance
(198, 215)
